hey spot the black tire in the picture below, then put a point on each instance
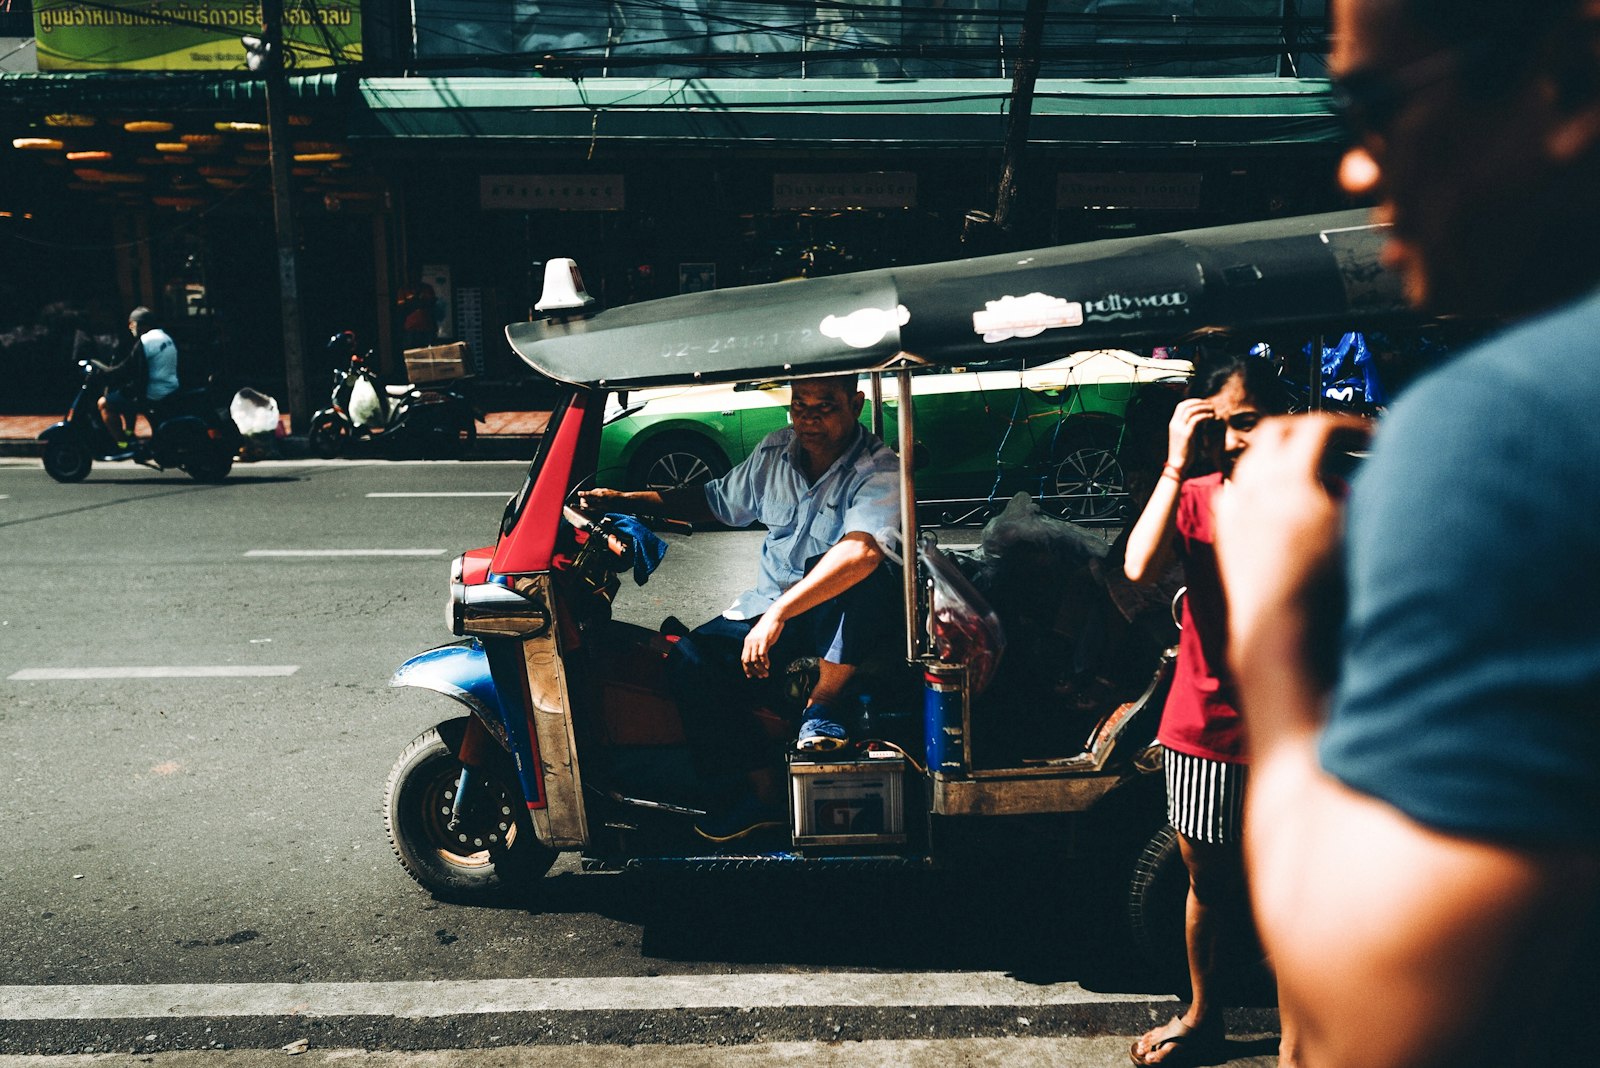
(1158, 893)
(67, 460)
(210, 465)
(1084, 470)
(492, 855)
(675, 460)
(329, 436)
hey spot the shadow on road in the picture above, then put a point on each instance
(1039, 923)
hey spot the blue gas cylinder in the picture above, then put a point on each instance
(942, 720)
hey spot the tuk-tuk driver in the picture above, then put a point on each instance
(826, 490)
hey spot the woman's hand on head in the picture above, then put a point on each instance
(1188, 417)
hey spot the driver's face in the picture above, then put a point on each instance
(824, 414)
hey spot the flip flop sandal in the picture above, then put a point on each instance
(1188, 1045)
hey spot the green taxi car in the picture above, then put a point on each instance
(1055, 430)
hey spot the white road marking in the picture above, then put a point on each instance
(203, 671)
(472, 997)
(449, 493)
(345, 552)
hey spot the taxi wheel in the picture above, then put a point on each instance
(1088, 477)
(492, 853)
(677, 460)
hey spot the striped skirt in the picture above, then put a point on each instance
(1205, 798)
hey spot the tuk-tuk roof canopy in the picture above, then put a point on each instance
(1310, 273)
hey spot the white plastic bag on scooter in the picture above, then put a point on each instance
(366, 408)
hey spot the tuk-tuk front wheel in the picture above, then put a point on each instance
(490, 853)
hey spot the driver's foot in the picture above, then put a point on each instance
(819, 733)
(748, 816)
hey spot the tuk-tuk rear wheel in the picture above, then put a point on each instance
(491, 854)
(1157, 898)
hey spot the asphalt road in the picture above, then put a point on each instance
(214, 841)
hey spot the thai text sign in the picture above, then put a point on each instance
(552, 192)
(188, 34)
(875, 189)
(1127, 189)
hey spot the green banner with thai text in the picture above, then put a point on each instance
(214, 35)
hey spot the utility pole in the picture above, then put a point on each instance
(990, 233)
(1025, 72)
(280, 156)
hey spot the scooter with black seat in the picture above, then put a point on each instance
(188, 432)
(433, 422)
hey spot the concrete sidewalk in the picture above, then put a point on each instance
(1075, 1052)
(500, 435)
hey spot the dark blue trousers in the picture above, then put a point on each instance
(706, 674)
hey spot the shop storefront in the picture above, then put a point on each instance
(451, 188)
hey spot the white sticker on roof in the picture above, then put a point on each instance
(1026, 316)
(865, 327)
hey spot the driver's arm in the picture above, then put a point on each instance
(851, 560)
(854, 558)
(687, 503)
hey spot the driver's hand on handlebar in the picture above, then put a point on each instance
(602, 499)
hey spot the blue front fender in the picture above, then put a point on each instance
(459, 671)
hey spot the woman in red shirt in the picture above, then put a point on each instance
(1200, 727)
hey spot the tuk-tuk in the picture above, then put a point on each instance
(571, 742)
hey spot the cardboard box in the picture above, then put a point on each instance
(438, 363)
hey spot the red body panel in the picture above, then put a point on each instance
(475, 565)
(531, 543)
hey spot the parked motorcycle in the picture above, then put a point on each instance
(433, 422)
(190, 432)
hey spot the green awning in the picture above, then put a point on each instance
(1130, 113)
(122, 91)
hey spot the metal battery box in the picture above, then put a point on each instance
(848, 802)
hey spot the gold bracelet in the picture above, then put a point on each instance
(1168, 470)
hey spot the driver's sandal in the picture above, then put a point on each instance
(818, 734)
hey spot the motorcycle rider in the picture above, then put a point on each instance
(146, 374)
